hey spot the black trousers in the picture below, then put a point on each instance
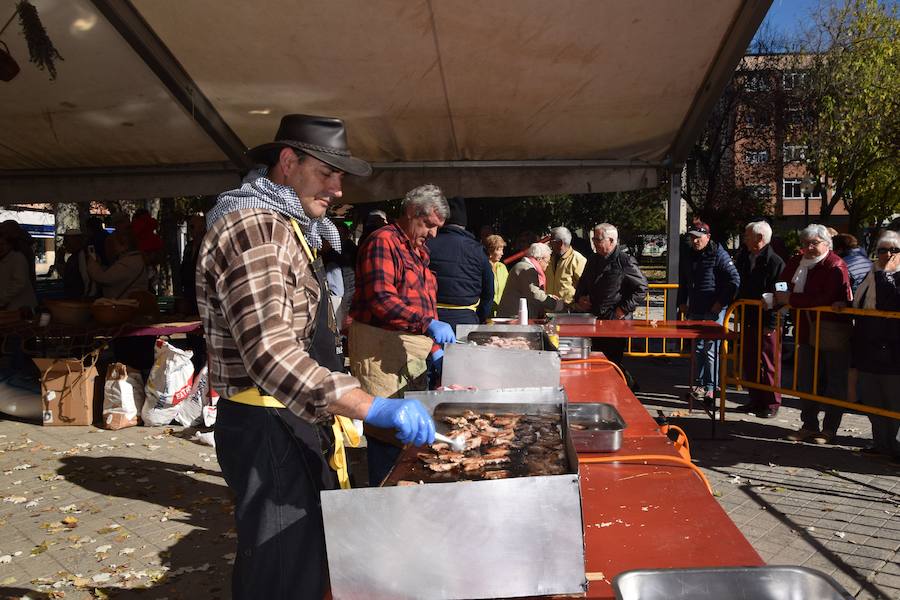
(276, 479)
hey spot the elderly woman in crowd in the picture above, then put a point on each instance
(493, 247)
(527, 280)
(875, 345)
(818, 277)
(128, 271)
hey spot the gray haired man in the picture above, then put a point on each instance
(566, 265)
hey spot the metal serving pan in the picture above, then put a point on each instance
(480, 335)
(595, 427)
(747, 583)
(560, 318)
(574, 348)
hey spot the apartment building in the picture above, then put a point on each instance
(769, 157)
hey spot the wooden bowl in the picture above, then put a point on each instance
(113, 314)
(69, 312)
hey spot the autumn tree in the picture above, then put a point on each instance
(854, 91)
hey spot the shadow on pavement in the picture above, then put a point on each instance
(196, 561)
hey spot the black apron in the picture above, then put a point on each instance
(318, 438)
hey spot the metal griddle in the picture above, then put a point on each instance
(461, 539)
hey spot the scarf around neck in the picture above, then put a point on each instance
(866, 293)
(258, 191)
(542, 277)
(799, 278)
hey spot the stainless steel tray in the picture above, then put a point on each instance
(489, 368)
(571, 318)
(747, 583)
(534, 335)
(602, 423)
(574, 348)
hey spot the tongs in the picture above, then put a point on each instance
(457, 444)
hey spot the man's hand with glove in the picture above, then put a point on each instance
(441, 332)
(413, 423)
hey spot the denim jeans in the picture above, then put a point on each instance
(276, 480)
(706, 366)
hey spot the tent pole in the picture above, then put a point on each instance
(673, 237)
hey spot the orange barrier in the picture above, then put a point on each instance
(732, 354)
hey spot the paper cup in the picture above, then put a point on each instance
(768, 299)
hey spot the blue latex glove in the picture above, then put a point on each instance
(441, 332)
(413, 423)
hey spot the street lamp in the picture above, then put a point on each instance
(807, 187)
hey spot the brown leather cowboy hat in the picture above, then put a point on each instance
(321, 137)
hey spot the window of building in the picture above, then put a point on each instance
(758, 192)
(791, 190)
(757, 82)
(794, 152)
(756, 157)
(794, 115)
(793, 80)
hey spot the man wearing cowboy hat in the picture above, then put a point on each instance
(272, 356)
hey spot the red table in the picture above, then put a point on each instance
(629, 328)
(642, 516)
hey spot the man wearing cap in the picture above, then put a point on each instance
(272, 356)
(566, 265)
(465, 280)
(395, 329)
(708, 281)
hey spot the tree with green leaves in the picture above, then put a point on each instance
(854, 91)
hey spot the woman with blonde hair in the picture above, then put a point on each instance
(493, 247)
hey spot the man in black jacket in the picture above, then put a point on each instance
(611, 287)
(759, 268)
(707, 283)
(465, 280)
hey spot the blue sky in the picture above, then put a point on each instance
(786, 16)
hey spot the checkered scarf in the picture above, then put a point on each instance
(258, 191)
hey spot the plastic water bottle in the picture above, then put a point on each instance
(523, 311)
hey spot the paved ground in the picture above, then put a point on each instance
(143, 512)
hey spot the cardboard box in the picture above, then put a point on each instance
(67, 391)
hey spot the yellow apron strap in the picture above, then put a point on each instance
(457, 307)
(338, 461)
(310, 253)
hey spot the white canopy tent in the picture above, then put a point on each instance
(498, 98)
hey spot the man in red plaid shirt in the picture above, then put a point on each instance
(395, 329)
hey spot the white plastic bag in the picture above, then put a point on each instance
(123, 397)
(190, 411)
(170, 382)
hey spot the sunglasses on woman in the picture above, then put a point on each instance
(886, 250)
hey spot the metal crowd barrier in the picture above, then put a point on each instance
(731, 365)
(671, 348)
